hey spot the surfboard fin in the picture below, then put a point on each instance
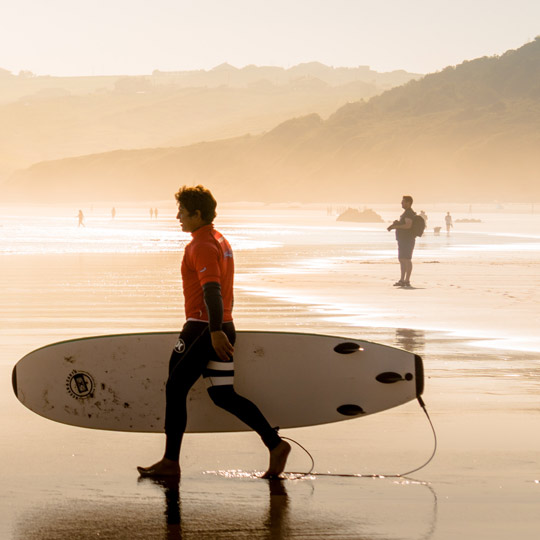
(347, 348)
(389, 377)
(350, 410)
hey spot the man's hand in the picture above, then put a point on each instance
(222, 345)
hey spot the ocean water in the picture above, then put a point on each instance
(60, 281)
(54, 230)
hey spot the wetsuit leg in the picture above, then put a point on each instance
(186, 365)
(224, 396)
(244, 409)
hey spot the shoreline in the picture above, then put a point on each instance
(471, 300)
(490, 303)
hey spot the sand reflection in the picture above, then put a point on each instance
(267, 510)
(411, 340)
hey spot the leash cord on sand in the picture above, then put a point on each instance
(401, 475)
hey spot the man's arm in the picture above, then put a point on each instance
(214, 306)
(397, 225)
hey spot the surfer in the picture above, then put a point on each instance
(406, 239)
(206, 343)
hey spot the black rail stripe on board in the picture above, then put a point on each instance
(419, 372)
(14, 380)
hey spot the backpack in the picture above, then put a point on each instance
(418, 225)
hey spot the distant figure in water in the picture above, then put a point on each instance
(81, 219)
(448, 221)
(113, 212)
(151, 213)
(205, 345)
(406, 239)
(155, 213)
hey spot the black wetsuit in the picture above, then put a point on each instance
(189, 360)
(194, 355)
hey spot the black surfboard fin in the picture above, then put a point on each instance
(347, 347)
(350, 410)
(389, 377)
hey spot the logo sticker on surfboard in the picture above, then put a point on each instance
(80, 384)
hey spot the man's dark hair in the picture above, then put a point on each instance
(197, 198)
(408, 198)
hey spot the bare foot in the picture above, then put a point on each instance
(278, 459)
(165, 467)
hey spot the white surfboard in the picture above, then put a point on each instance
(117, 382)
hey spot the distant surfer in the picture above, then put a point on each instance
(206, 343)
(80, 215)
(448, 221)
(406, 239)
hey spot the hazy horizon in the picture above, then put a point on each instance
(247, 132)
(136, 38)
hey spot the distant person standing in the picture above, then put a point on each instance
(448, 221)
(113, 212)
(406, 238)
(155, 212)
(151, 213)
(80, 215)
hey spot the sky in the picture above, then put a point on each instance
(135, 37)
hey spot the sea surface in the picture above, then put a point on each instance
(60, 281)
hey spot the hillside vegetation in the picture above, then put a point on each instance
(470, 132)
(47, 118)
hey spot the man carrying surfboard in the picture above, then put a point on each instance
(406, 238)
(205, 346)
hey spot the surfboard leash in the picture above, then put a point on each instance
(358, 475)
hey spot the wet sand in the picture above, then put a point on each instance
(484, 482)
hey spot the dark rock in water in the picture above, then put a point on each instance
(365, 216)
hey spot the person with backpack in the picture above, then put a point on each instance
(407, 229)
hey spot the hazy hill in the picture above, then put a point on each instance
(470, 132)
(249, 75)
(46, 118)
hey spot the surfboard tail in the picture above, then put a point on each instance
(419, 369)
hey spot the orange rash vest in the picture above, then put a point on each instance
(207, 258)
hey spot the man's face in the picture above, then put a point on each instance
(405, 204)
(189, 223)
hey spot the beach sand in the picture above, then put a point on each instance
(473, 320)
